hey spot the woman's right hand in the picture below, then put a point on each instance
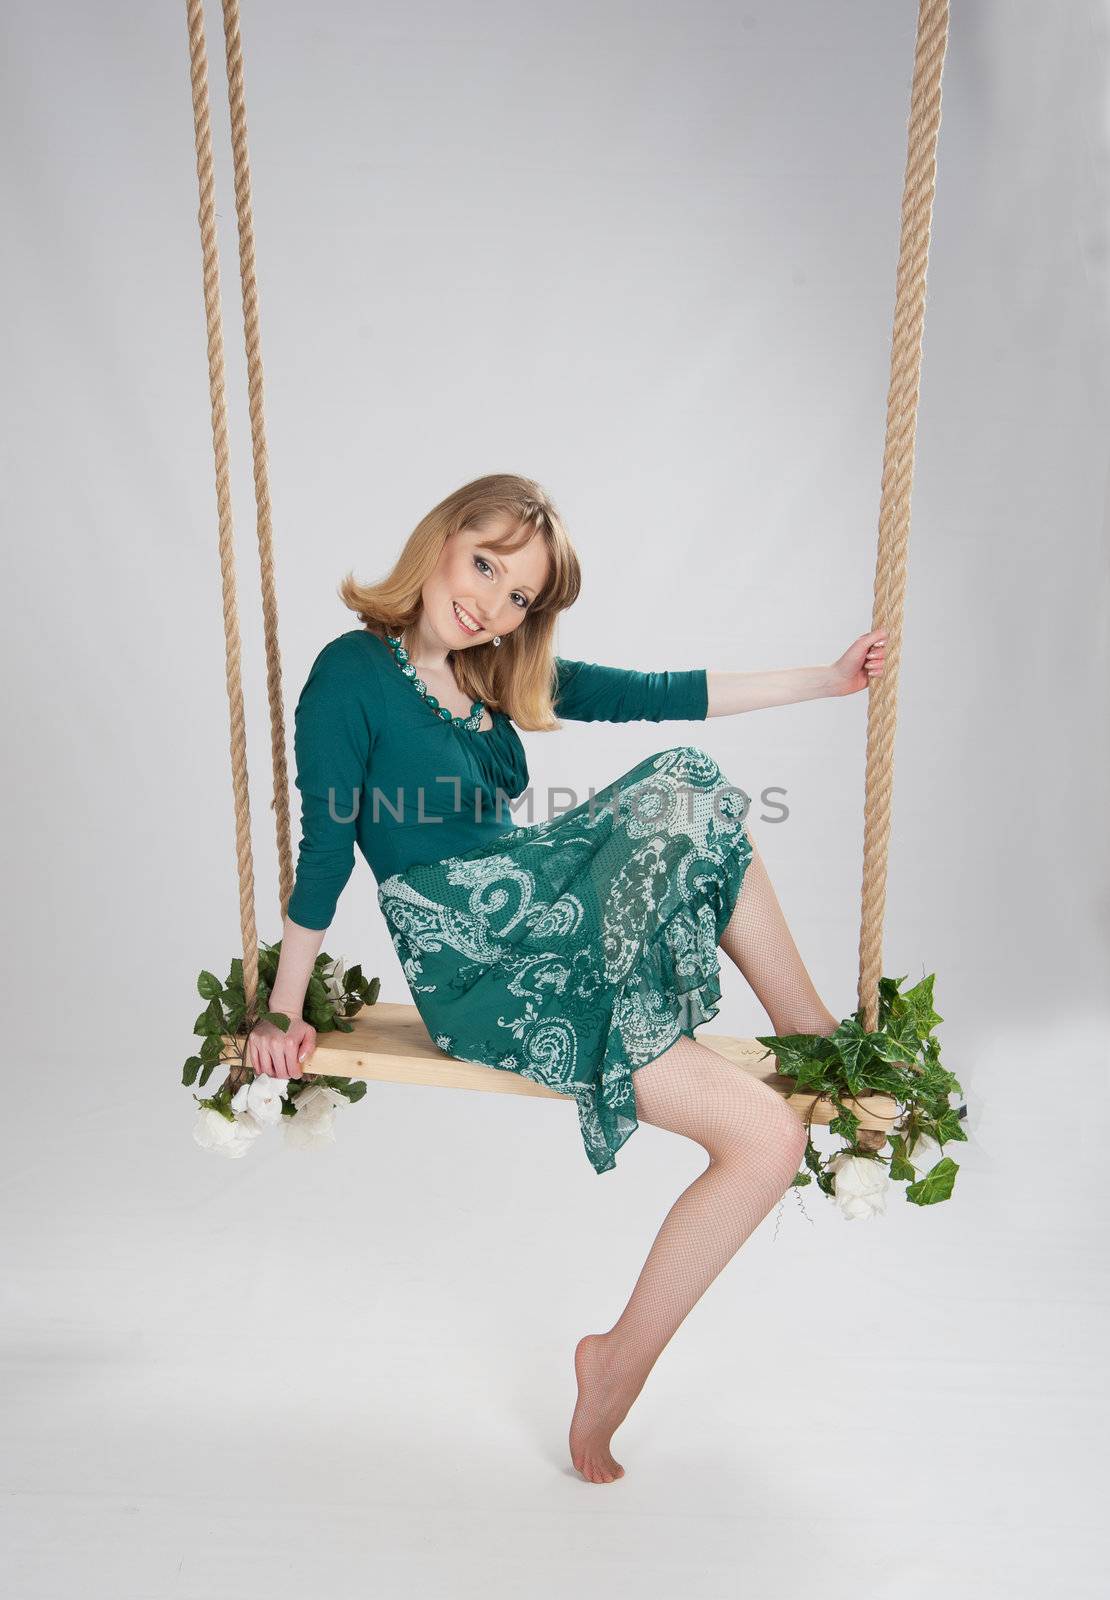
(277, 1054)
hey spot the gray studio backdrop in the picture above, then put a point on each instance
(646, 255)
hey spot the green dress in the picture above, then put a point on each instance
(571, 950)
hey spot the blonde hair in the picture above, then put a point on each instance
(518, 676)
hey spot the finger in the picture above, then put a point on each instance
(292, 1066)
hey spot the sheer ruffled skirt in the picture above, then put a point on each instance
(575, 950)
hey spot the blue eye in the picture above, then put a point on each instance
(519, 600)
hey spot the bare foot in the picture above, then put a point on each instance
(603, 1404)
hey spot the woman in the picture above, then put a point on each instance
(580, 951)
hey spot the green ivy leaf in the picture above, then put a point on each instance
(845, 1123)
(897, 1043)
(936, 1185)
(891, 1004)
(278, 1018)
(797, 1053)
(919, 1001)
(191, 1068)
(950, 1127)
(853, 1047)
(209, 986)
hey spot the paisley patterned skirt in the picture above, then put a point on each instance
(575, 950)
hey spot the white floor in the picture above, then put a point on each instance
(351, 1372)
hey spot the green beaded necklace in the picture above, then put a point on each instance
(401, 656)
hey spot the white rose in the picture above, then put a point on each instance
(257, 1102)
(860, 1186)
(314, 1122)
(213, 1131)
(333, 983)
(925, 1154)
(264, 1097)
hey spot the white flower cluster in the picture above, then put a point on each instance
(862, 1185)
(257, 1105)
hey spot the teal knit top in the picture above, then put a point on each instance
(377, 767)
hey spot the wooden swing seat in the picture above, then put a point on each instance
(390, 1044)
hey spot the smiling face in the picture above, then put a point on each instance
(478, 590)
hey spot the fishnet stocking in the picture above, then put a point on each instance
(754, 1141)
(759, 941)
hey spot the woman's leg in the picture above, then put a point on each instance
(755, 1143)
(759, 941)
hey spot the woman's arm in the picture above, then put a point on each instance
(730, 692)
(332, 741)
(299, 949)
(586, 692)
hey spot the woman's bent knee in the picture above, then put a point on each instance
(767, 1130)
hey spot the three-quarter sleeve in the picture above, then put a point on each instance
(332, 740)
(588, 693)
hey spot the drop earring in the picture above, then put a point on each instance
(497, 638)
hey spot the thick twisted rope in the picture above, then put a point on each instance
(252, 336)
(217, 385)
(897, 483)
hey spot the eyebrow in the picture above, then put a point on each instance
(487, 550)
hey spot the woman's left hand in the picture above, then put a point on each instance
(859, 664)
